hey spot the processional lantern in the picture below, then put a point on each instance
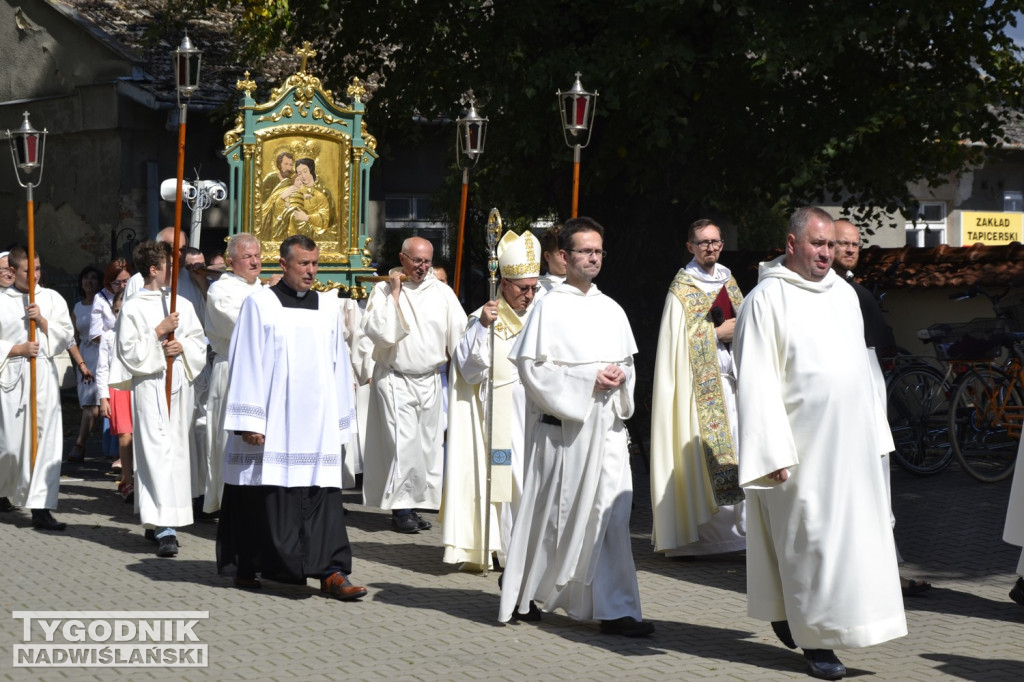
(27, 153)
(471, 131)
(577, 107)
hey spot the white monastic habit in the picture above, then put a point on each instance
(465, 477)
(27, 488)
(1013, 531)
(134, 285)
(547, 283)
(361, 352)
(694, 414)
(198, 434)
(306, 421)
(162, 469)
(570, 544)
(402, 464)
(224, 301)
(820, 550)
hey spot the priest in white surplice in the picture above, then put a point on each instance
(695, 492)
(163, 494)
(414, 326)
(465, 477)
(821, 563)
(1013, 531)
(223, 302)
(35, 489)
(290, 411)
(570, 545)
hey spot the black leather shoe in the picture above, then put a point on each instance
(405, 524)
(781, 628)
(150, 535)
(43, 520)
(5, 505)
(531, 616)
(823, 664)
(421, 522)
(168, 546)
(1017, 593)
(627, 626)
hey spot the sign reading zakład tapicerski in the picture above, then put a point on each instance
(978, 227)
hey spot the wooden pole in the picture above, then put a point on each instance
(575, 181)
(33, 409)
(462, 231)
(182, 109)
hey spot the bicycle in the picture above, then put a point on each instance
(987, 410)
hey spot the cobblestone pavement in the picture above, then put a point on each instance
(423, 620)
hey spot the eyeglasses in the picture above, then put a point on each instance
(587, 253)
(709, 243)
(119, 282)
(419, 261)
(848, 245)
(522, 289)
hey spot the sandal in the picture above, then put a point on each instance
(77, 454)
(127, 491)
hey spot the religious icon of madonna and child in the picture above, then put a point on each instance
(295, 200)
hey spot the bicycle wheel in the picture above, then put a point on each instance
(984, 402)
(918, 410)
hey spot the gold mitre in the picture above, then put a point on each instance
(518, 255)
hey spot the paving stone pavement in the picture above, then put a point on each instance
(424, 620)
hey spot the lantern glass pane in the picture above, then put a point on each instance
(28, 150)
(581, 111)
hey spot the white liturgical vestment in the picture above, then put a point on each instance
(685, 417)
(290, 379)
(820, 550)
(570, 546)
(164, 487)
(36, 489)
(223, 303)
(412, 339)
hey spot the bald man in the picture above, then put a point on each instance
(415, 323)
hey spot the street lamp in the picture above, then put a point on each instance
(469, 140)
(186, 81)
(577, 107)
(27, 153)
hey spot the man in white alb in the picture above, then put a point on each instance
(20, 484)
(821, 562)
(415, 323)
(570, 546)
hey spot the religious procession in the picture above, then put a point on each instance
(259, 388)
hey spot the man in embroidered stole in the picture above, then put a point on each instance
(465, 489)
(698, 504)
(414, 323)
(36, 488)
(223, 303)
(290, 411)
(162, 469)
(821, 562)
(571, 546)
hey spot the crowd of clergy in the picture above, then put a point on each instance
(257, 401)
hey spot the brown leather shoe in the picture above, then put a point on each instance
(338, 585)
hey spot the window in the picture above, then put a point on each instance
(1013, 202)
(930, 228)
(408, 211)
